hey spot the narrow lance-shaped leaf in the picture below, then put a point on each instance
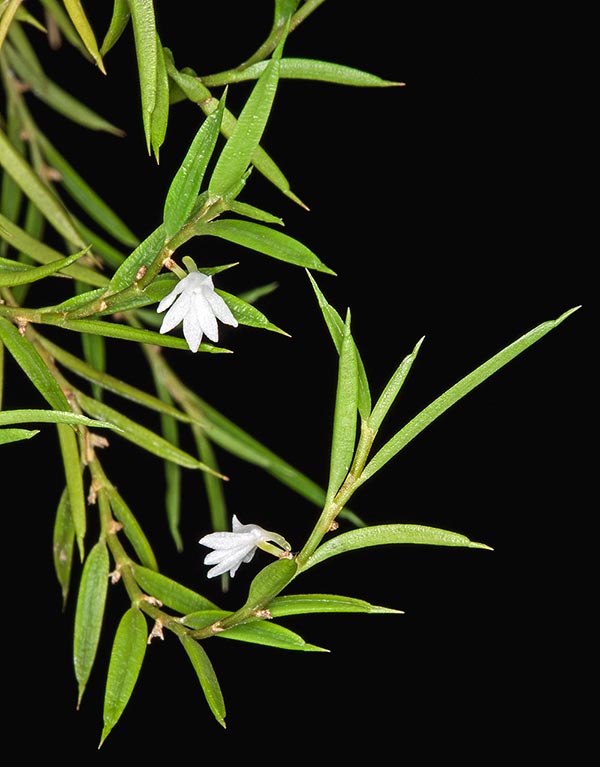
(50, 416)
(131, 528)
(345, 414)
(266, 584)
(307, 69)
(186, 183)
(118, 23)
(16, 435)
(33, 366)
(72, 466)
(22, 173)
(126, 659)
(142, 257)
(171, 593)
(261, 238)
(32, 274)
(262, 632)
(170, 431)
(392, 389)
(63, 544)
(22, 240)
(335, 325)
(455, 393)
(379, 535)
(144, 31)
(196, 92)
(243, 142)
(57, 98)
(302, 604)
(207, 677)
(160, 113)
(140, 435)
(89, 613)
(127, 333)
(85, 31)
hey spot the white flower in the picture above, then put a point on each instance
(194, 301)
(231, 549)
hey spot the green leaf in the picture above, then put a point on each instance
(71, 459)
(262, 632)
(207, 677)
(126, 659)
(140, 435)
(84, 29)
(249, 315)
(300, 604)
(21, 240)
(455, 393)
(89, 613)
(131, 528)
(50, 416)
(235, 440)
(265, 240)
(141, 258)
(110, 383)
(379, 535)
(345, 415)
(196, 92)
(16, 435)
(28, 358)
(160, 113)
(27, 274)
(244, 140)
(22, 173)
(185, 187)
(335, 325)
(250, 211)
(307, 69)
(144, 32)
(266, 584)
(63, 544)
(127, 333)
(392, 389)
(118, 23)
(57, 98)
(172, 594)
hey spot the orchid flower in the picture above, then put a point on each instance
(194, 301)
(233, 548)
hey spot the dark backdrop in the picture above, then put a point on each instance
(451, 208)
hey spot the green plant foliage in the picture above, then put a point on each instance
(78, 288)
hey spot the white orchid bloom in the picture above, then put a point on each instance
(194, 301)
(231, 549)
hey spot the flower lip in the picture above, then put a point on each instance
(194, 302)
(230, 549)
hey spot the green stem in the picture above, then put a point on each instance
(327, 520)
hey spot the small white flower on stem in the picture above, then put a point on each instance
(194, 301)
(231, 549)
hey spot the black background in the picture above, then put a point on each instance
(454, 208)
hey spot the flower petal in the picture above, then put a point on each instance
(221, 310)
(170, 297)
(176, 313)
(192, 331)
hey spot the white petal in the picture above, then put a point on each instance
(176, 313)
(221, 310)
(227, 540)
(192, 330)
(205, 317)
(170, 297)
(231, 561)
